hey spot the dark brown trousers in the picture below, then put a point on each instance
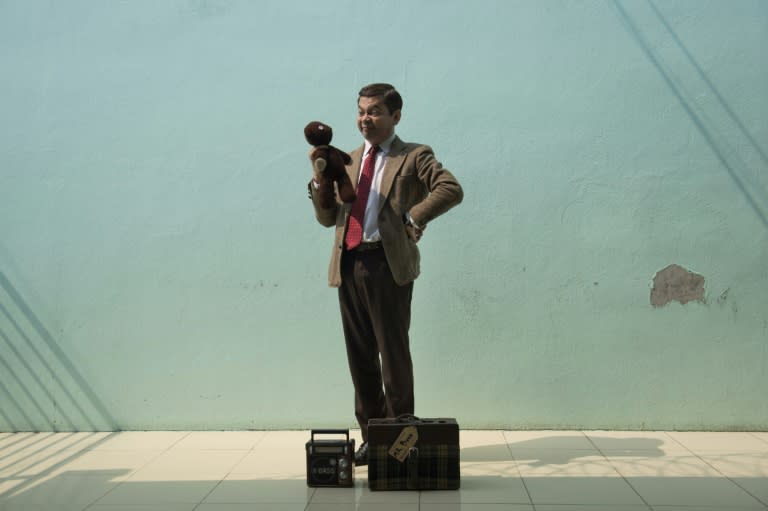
(376, 316)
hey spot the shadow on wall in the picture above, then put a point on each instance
(746, 179)
(40, 387)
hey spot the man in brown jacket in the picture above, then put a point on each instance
(401, 187)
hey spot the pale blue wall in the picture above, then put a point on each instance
(160, 266)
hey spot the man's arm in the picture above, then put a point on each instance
(326, 217)
(444, 190)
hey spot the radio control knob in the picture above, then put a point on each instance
(343, 476)
(343, 463)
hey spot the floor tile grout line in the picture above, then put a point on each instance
(134, 471)
(177, 442)
(26, 436)
(29, 480)
(765, 504)
(64, 437)
(675, 440)
(753, 434)
(202, 501)
(6, 455)
(80, 452)
(696, 455)
(605, 457)
(247, 453)
(262, 441)
(517, 469)
(42, 449)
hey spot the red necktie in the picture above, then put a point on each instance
(355, 228)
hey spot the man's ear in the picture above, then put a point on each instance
(396, 116)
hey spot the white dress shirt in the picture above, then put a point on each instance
(370, 220)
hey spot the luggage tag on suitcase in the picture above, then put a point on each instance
(404, 443)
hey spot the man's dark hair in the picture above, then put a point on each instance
(392, 98)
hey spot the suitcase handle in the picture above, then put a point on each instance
(344, 432)
(407, 417)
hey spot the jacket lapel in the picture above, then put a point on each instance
(395, 158)
(392, 166)
(353, 169)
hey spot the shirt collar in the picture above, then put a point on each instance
(384, 146)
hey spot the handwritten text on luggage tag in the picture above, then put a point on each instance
(407, 439)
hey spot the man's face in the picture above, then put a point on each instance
(374, 120)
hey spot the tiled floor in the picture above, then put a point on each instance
(501, 470)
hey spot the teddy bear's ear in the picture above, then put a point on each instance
(318, 133)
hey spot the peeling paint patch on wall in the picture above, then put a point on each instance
(676, 283)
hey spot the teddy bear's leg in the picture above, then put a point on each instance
(320, 164)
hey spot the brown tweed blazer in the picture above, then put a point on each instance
(414, 183)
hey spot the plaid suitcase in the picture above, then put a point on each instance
(408, 453)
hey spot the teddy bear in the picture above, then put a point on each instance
(328, 163)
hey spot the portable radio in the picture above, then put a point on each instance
(330, 462)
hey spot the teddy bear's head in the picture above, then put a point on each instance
(329, 166)
(318, 133)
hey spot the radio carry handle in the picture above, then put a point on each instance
(344, 432)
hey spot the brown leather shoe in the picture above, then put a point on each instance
(361, 456)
